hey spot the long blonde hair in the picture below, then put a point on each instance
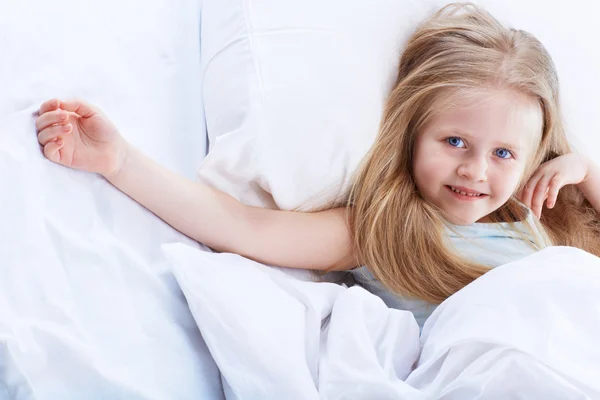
(397, 234)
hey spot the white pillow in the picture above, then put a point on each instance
(293, 90)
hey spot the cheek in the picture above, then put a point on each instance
(507, 180)
(429, 162)
(428, 170)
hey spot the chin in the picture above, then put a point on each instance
(462, 220)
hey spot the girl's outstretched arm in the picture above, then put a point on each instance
(318, 240)
(78, 135)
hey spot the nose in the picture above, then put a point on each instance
(473, 168)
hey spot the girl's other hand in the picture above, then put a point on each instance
(544, 185)
(78, 135)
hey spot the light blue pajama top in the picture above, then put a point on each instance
(490, 244)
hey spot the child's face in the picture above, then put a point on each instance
(478, 147)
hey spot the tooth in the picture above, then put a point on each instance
(464, 193)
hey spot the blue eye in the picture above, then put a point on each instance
(503, 153)
(455, 141)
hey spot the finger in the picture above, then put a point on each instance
(50, 118)
(540, 194)
(80, 107)
(555, 186)
(54, 132)
(49, 105)
(529, 190)
(52, 150)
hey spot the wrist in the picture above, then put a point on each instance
(122, 154)
(592, 174)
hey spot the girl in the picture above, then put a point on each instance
(470, 148)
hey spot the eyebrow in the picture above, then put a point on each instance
(513, 146)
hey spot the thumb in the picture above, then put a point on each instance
(79, 107)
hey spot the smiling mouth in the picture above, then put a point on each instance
(463, 193)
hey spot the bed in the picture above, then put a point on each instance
(99, 299)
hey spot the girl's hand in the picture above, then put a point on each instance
(78, 135)
(570, 169)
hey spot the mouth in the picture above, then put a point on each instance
(465, 193)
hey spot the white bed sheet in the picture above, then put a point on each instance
(88, 307)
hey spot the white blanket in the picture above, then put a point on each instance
(528, 329)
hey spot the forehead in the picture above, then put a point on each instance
(493, 116)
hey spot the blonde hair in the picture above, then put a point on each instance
(397, 234)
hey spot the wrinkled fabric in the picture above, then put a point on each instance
(525, 330)
(88, 306)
